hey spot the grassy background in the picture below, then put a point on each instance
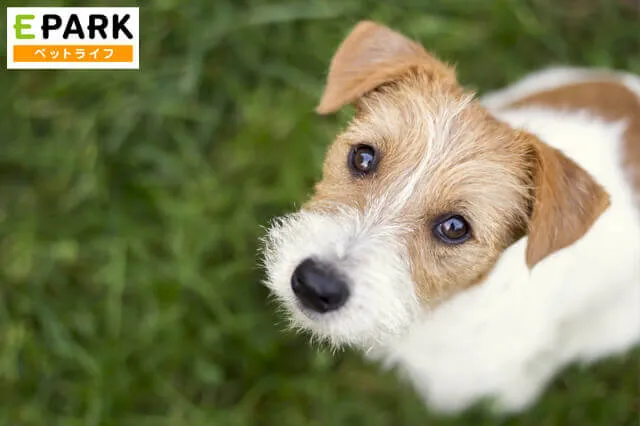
(131, 204)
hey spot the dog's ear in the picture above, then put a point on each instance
(370, 56)
(567, 202)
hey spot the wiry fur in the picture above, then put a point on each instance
(364, 249)
(440, 152)
(496, 316)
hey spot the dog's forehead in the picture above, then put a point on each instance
(431, 131)
(443, 123)
(439, 150)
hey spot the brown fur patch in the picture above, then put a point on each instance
(478, 168)
(567, 203)
(609, 99)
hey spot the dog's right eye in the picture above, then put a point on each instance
(452, 229)
(362, 159)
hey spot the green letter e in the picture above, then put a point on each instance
(19, 26)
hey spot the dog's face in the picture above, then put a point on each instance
(419, 197)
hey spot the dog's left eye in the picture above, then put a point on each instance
(452, 229)
(362, 159)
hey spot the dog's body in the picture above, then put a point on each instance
(479, 246)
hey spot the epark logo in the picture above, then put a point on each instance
(73, 38)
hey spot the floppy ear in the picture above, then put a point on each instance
(370, 56)
(567, 203)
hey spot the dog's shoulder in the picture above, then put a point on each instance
(602, 96)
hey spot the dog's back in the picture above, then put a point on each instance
(605, 96)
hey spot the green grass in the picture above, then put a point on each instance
(131, 204)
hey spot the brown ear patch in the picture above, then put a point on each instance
(609, 98)
(606, 97)
(370, 56)
(567, 203)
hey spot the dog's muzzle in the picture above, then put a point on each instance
(318, 287)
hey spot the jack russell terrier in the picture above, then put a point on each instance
(479, 245)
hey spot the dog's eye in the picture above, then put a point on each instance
(452, 229)
(362, 159)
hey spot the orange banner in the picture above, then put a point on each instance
(73, 53)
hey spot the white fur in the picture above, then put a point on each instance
(507, 337)
(363, 248)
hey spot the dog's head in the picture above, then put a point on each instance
(419, 197)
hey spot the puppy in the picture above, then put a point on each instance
(478, 245)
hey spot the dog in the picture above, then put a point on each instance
(477, 245)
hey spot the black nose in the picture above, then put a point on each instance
(318, 287)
